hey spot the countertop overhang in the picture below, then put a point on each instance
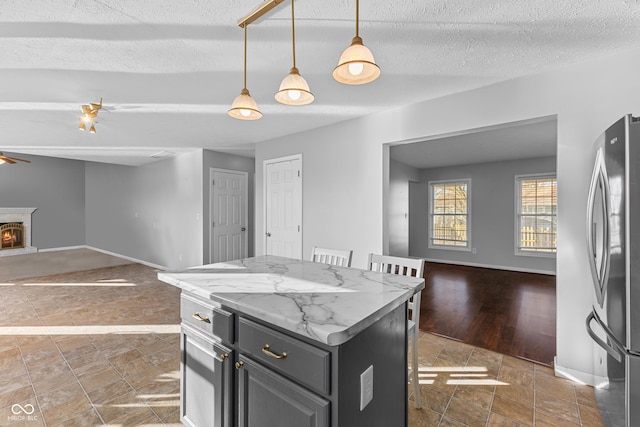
(326, 303)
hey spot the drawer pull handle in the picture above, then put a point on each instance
(200, 318)
(239, 364)
(268, 352)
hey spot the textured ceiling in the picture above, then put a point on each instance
(169, 70)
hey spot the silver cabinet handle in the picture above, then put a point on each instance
(614, 349)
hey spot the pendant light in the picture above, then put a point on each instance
(244, 107)
(294, 89)
(356, 65)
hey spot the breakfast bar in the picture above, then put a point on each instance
(277, 341)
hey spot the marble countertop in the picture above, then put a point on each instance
(326, 303)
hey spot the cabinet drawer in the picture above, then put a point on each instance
(207, 318)
(304, 363)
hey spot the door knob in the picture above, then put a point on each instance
(243, 229)
(267, 234)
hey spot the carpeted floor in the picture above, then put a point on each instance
(15, 267)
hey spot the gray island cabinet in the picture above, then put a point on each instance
(271, 341)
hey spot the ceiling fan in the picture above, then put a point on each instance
(89, 114)
(11, 160)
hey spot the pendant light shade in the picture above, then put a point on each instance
(244, 107)
(356, 65)
(294, 89)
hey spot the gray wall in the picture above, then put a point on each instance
(400, 178)
(56, 188)
(214, 159)
(341, 175)
(492, 215)
(151, 213)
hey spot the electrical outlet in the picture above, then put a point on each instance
(366, 387)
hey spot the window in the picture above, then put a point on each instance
(450, 225)
(536, 222)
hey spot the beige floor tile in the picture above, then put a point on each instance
(513, 410)
(549, 384)
(107, 393)
(497, 420)
(474, 395)
(523, 395)
(544, 419)
(422, 417)
(448, 422)
(589, 416)
(57, 414)
(466, 413)
(132, 416)
(552, 406)
(113, 408)
(17, 395)
(99, 379)
(86, 418)
(32, 418)
(513, 375)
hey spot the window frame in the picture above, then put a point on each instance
(518, 251)
(431, 239)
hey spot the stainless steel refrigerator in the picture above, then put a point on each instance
(613, 246)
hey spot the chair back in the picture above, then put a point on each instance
(405, 267)
(331, 256)
(413, 267)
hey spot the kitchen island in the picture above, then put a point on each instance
(272, 341)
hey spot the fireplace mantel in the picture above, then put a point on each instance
(22, 215)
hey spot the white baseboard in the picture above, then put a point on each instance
(138, 261)
(495, 267)
(65, 248)
(574, 375)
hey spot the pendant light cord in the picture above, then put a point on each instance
(293, 34)
(245, 56)
(357, 18)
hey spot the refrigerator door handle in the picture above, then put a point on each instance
(600, 273)
(615, 350)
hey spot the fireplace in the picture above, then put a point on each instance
(15, 231)
(11, 235)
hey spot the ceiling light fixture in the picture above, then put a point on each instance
(89, 114)
(258, 12)
(356, 65)
(244, 107)
(294, 89)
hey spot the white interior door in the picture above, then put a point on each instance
(228, 199)
(283, 206)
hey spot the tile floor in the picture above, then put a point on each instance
(98, 347)
(101, 347)
(463, 385)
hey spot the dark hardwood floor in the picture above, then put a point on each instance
(509, 312)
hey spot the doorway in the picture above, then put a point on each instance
(283, 206)
(228, 208)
